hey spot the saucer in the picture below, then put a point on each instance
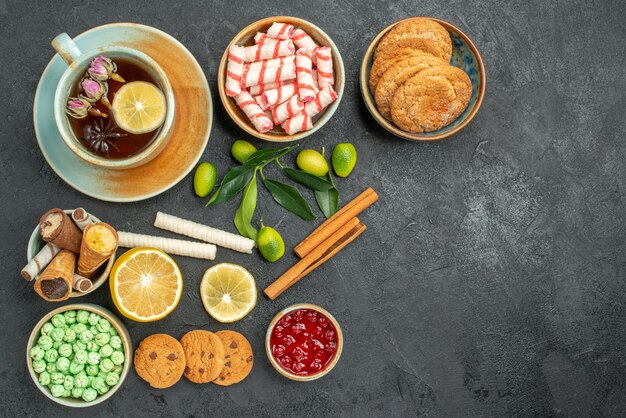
(190, 132)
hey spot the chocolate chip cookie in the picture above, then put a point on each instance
(204, 354)
(160, 360)
(238, 358)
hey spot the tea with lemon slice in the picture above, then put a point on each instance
(117, 109)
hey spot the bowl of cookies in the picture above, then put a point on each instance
(422, 79)
(281, 78)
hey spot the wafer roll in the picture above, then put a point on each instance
(262, 38)
(324, 61)
(262, 88)
(280, 30)
(304, 74)
(268, 51)
(55, 282)
(99, 243)
(303, 40)
(234, 70)
(287, 109)
(279, 95)
(300, 122)
(40, 261)
(81, 284)
(253, 111)
(81, 218)
(56, 227)
(325, 97)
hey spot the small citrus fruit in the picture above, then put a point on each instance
(241, 150)
(312, 162)
(270, 244)
(204, 179)
(344, 159)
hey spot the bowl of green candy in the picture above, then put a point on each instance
(78, 355)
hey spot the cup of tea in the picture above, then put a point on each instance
(94, 134)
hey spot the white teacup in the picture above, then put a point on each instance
(78, 63)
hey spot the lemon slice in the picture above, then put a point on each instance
(139, 107)
(228, 292)
(146, 284)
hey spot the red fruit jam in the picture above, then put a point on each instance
(304, 342)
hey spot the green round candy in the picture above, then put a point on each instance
(97, 382)
(93, 319)
(106, 365)
(51, 367)
(117, 357)
(57, 334)
(39, 366)
(76, 368)
(117, 369)
(79, 346)
(56, 345)
(65, 350)
(78, 328)
(103, 325)
(93, 330)
(116, 342)
(66, 393)
(113, 331)
(82, 317)
(89, 394)
(103, 389)
(93, 346)
(69, 335)
(68, 383)
(92, 358)
(102, 338)
(46, 328)
(44, 378)
(70, 317)
(51, 355)
(63, 364)
(112, 378)
(57, 390)
(85, 336)
(77, 392)
(92, 369)
(81, 381)
(58, 321)
(37, 353)
(81, 357)
(106, 351)
(45, 342)
(204, 179)
(57, 378)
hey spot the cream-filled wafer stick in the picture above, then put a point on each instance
(325, 97)
(56, 227)
(324, 61)
(80, 283)
(262, 38)
(268, 51)
(40, 261)
(303, 40)
(280, 30)
(304, 67)
(203, 232)
(287, 109)
(169, 245)
(266, 75)
(262, 88)
(279, 95)
(81, 218)
(234, 70)
(253, 111)
(299, 123)
(54, 284)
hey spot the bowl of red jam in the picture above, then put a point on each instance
(303, 342)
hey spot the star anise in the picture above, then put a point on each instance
(100, 136)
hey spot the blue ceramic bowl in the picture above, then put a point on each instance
(464, 56)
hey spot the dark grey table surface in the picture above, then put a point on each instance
(491, 279)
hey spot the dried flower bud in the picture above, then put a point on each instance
(101, 68)
(93, 89)
(77, 107)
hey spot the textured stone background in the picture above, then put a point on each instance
(491, 279)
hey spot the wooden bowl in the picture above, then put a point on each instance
(119, 327)
(245, 37)
(464, 55)
(35, 244)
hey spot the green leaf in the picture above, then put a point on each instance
(234, 181)
(243, 216)
(266, 154)
(290, 198)
(308, 180)
(328, 200)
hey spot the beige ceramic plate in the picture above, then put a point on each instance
(244, 38)
(464, 55)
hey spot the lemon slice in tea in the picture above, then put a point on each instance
(146, 284)
(139, 107)
(228, 292)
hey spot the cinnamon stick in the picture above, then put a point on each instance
(329, 247)
(332, 224)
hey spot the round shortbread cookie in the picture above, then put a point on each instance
(421, 33)
(431, 99)
(381, 65)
